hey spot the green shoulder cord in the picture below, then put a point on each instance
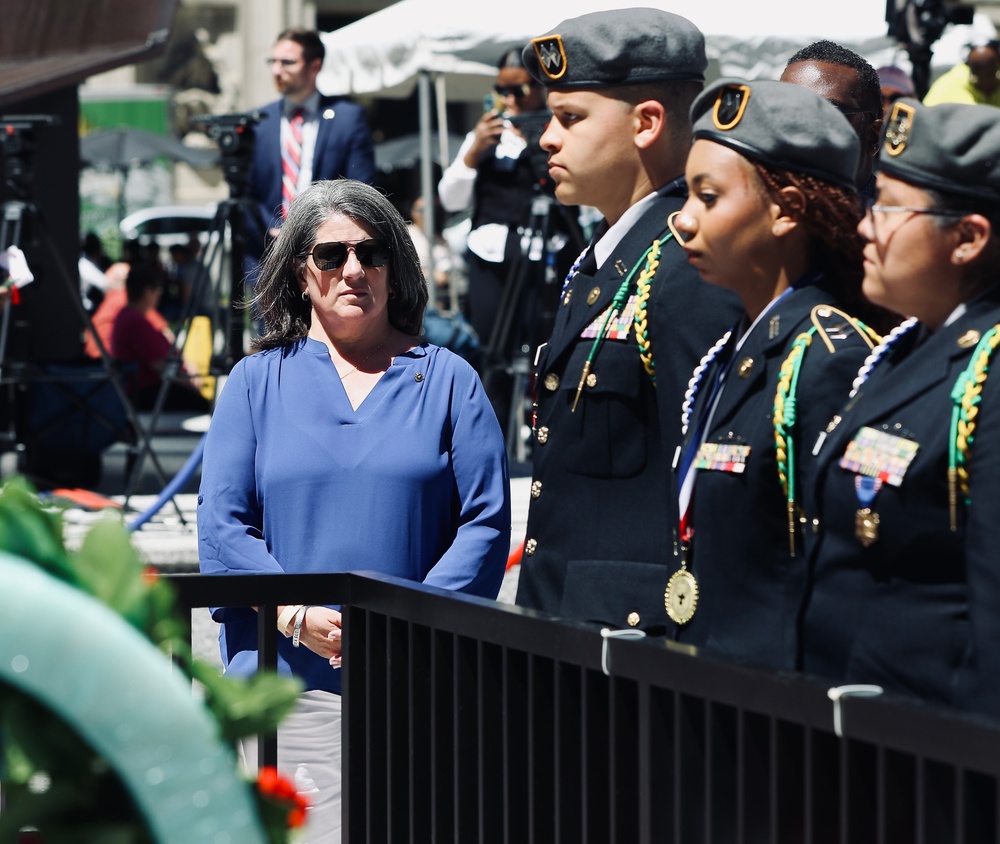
(652, 256)
(965, 396)
(786, 410)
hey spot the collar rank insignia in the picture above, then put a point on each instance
(729, 106)
(551, 55)
(897, 134)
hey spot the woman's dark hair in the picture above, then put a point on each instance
(278, 293)
(831, 219)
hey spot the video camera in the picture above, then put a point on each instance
(531, 125)
(236, 142)
(17, 140)
(230, 130)
(919, 23)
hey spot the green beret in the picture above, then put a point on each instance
(951, 147)
(784, 126)
(620, 47)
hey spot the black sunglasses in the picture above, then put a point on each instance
(332, 255)
(517, 91)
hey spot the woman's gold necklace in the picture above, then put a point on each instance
(364, 360)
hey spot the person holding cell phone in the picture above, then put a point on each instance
(493, 174)
(345, 444)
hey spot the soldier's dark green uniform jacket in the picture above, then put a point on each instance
(598, 539)
(917, 610)
(750, 586)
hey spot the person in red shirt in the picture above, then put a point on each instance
(136, 339)
(114, 300)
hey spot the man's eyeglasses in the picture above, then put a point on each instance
(282, 62)
(517, 91)
(333, 254)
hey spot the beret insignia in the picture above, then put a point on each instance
(897, 134)
(551, 55)
(729, 106)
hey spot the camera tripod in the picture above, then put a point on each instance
(526, 309)
(229, 225)
(22, 225)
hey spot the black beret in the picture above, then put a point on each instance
(949, 147)
(620, 47)
(781, 125)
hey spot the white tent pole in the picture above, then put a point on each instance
(426, 168)
(441, 102)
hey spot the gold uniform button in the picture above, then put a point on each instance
(591, 380)
(745, 368)
(969, 339)
(530, 546)
(633, 619)
(593, 295)
(543, 435)
(536, 489)
(552, 382)
(567, 297)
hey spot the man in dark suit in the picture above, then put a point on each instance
(304, 136)
(633, 318)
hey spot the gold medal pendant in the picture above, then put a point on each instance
(866, 526)
(681, 596)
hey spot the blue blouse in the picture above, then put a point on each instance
(414, 483)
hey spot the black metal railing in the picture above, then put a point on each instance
(470, 721)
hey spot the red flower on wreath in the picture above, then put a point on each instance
(279, 788)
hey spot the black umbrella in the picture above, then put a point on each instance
(125, 148)
(403, 152)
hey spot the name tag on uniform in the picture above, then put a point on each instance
(723, 457)
(619, 326)
(879, 454)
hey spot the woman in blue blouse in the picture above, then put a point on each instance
(346, 444)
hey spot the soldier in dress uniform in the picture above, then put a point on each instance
(633, 318)
(772, 215)
(905, 508)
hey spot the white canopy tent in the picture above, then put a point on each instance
(454, 44)
(460, 41)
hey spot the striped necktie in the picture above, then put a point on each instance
(291, 160)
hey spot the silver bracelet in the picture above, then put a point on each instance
(300, 616)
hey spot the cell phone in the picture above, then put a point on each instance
(491, 103)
